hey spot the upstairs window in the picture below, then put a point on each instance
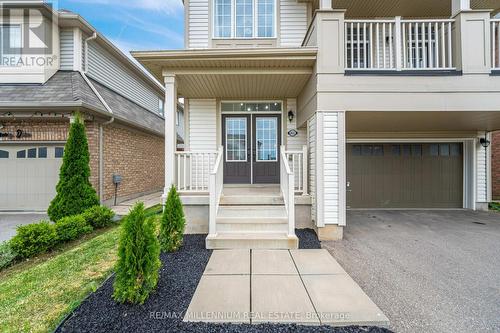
(10, 40)
(244, 19)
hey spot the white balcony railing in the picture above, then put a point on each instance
(495, 44)
(287, 180)
(215, 185)
(193, 170)
(398, 45)
(297, 160)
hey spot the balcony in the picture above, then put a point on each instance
(399, 45)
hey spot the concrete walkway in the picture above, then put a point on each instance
(280, 286)
(149, 200)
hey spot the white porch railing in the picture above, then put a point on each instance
(495, 44)
(215, 185)
(397, 44)
(287, 189)
(297, 161)
(193, 169)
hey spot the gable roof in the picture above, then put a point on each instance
(69, 89)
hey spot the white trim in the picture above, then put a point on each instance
(320, 221)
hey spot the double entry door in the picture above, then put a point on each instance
(251, 148)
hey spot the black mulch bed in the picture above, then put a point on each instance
(165, 308)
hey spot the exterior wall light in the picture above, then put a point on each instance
(484, 142)
(290, 115)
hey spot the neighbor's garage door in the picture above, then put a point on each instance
(28, 175)
(427, 175)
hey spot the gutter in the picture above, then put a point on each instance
(101, 131)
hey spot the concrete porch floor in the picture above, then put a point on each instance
(304, 287)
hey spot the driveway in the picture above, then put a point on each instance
(9, 222)
(428, 271)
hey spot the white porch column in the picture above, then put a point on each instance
(170, 109)
(459, 5)
(330, 174)
(325, 4)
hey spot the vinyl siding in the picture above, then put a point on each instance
(481, 174)
(311, 136)
(294, 143)
(330, 147)
(66, 37)
(109, 72)
(293, 22)
(202, 125)
(198, 24)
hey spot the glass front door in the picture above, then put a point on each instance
(251, 148)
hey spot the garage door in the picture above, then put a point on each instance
(28, 175)
(417, 175)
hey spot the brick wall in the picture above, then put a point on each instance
(137, 156)
(495, 166)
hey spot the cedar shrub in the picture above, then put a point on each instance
(172, 223)
(99, 216)
(32, 239)
(72, 227)
(137, 268)
(74, 192)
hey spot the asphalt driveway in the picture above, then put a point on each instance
(428, 271)
(9, 222)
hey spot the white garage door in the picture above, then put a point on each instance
(28, 175)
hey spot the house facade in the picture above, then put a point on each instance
(55, 64)
(495, 166)
(340, 104)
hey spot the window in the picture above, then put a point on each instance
(59, 152)
(356, 150)
(10, 41)
(42, 152)
(222, 18)
(161, 107)
(244, 19)
(4, 154)
(434, 149)
(396, 150)
(236, 139)
(21, 154)
(265, 22)
(416, 150)
(444, 149)
(32, 153)
(251, 107)
(267, 138)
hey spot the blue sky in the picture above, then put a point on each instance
(134, 24)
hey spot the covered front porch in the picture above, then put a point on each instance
(244, 174)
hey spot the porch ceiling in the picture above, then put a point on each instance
(423, 121)
(230, 73)
(406, 8)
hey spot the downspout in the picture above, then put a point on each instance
(101, 135)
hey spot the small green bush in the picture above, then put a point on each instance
(99, 216)
(71, 227)
(74, 192)
(7, 255)
(137, 268)
(172, 223)
(32, 239)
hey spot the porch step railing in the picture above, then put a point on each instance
(215, 186)
(297, 161)
(397, 44)
(495, 44)
(193, 170)
(287, 180)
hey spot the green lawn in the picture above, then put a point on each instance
(36, 295)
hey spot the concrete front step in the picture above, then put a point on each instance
(258, 226)
(230, 200)
(252, 212)
(267, 240)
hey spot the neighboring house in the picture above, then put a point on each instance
(389, 100)
(76, 69)
(495, 166)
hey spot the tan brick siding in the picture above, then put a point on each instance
(137, 156)
(495, 166)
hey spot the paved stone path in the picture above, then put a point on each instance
(280, 286)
